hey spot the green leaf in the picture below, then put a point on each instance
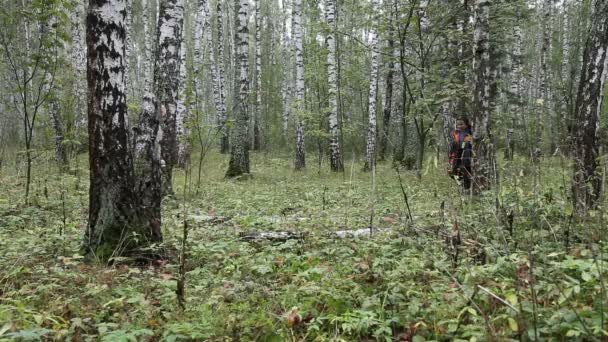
(511, 298)
(573, 333)
(513, 324)
(586, 276)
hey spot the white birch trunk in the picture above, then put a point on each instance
(258, 77)
(79, 64)
(300, 158)
(115, 215)
(287, 79)
(370, 160)
(182, 117)
(336, 163)
(221, 73)
(239, 156)
(586, 182)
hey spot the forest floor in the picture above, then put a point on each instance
(524, 269)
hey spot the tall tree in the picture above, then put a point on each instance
(116, 226)
(257, 134)
(300, 159)
(586, 183)
(222, 115)
(166, 83)
(79, 63)
(336, 163)
(183, 131)
(286, 87)
(239, 155)
(388, 93)
(484, 163)
(370, 159)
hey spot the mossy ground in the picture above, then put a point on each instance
(399, 285)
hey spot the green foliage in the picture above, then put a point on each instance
(398, 284)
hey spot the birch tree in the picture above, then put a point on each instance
(300, 158)
(388, 93)
(586, 183)
(239, 154)
(370, 160)
(484, 163)
(336, 163)
(166, 82)
(221, 73)
(182, 117)
(116, 225)
(286, 85)
(257, 135)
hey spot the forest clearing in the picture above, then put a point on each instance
(303, 170)
(537, 275)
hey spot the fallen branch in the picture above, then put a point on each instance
(498, 298)
(273, 236)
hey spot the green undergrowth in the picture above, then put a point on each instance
(541, 277)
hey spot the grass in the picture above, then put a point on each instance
(543, 281)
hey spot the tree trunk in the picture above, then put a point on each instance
(239, 156)
(287, 79)
(183, 112)
(336, 162)
(257, 134)
(166, 78)
(586, 183)
(370, 160)
(484, 163)
(388, 95)
(222, 115)
(541, 102)
(114, 219)
(79, 64)
(60, 153)
(300, 159)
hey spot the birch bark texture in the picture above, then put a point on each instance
(484, 170)
(182, 117)
(113, 214)
(370, 160)
(222, 114)
(300, 158)
(286, 85)
(239, 154)
(166, 83)
(336, 163)
(586, 182)
(257, 134)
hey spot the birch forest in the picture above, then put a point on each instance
(303, 170)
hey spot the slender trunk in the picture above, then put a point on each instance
(287, 79)
(388, 95)
(586, 183)
(541, 110)
(370, 160)
(257, 134)
(79, 64)
(60, 153)
(184, 147)
(484, 165)
(222, 115)
(336, 162)
(166, 83)
(300, 158)
(239, 156)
